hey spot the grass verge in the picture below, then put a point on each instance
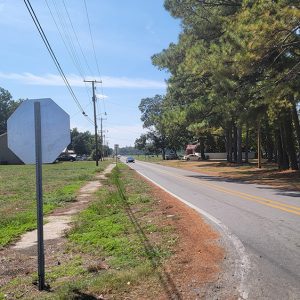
(118, 242)
(61, 182)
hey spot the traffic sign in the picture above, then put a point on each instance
(37, 132)
(55, 131)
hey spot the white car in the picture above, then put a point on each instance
(194, 157)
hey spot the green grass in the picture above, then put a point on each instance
(116, 228)
(17, 193)
(107, 227)
(73, 268)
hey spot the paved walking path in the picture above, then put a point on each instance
(60, 220)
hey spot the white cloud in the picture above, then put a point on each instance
(100, 96)
(74, 80)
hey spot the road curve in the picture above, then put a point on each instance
(266, 222)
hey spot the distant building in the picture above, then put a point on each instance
(191, 149)
(7, 157)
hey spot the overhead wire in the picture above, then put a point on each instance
(94, 51)
(77, 39)
(69, 50)
(84, 107)
(92, 40)
(52, 54)
(67, 40)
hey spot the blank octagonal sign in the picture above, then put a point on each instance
(55, 131)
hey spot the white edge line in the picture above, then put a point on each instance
(242, 265)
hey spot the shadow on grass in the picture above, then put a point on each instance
(166, 281)
(82, 296)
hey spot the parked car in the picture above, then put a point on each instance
(66, 157)
(192, 157)
(130, 159)
(82, 157)
(171, 156)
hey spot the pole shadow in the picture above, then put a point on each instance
(167, 283)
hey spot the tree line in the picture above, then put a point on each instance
(7, 107)
(84, 143)
(233, 81)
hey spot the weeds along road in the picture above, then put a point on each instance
(262, 224)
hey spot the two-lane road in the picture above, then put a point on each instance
(262, 223)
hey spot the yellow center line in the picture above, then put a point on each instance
(256, 197)
(268, 202)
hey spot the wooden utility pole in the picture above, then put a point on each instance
(104, 151)
(101, 137)
(95, 118)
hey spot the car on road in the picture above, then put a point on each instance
(193, 157)
(130, 159)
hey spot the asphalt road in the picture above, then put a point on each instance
(262, 224)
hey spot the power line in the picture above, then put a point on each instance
(95, 56)
(69, 48)
(51, 52)
(98, 69)
(84, 57)
(94, 51)
(68, 36)
(67, 40)
(92, 40)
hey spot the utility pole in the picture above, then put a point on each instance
(101, 151)
(104, 151)
(101, 135)
(95, 118)
(116, 153)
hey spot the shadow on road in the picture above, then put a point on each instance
(281, 191)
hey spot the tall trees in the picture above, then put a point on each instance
(167, 126)
(236, 65)
(152, 111)
(7, 107)
(82, 142)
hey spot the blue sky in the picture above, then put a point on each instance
(126, 34)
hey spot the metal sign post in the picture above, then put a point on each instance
(38, 131)
(39, 195)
